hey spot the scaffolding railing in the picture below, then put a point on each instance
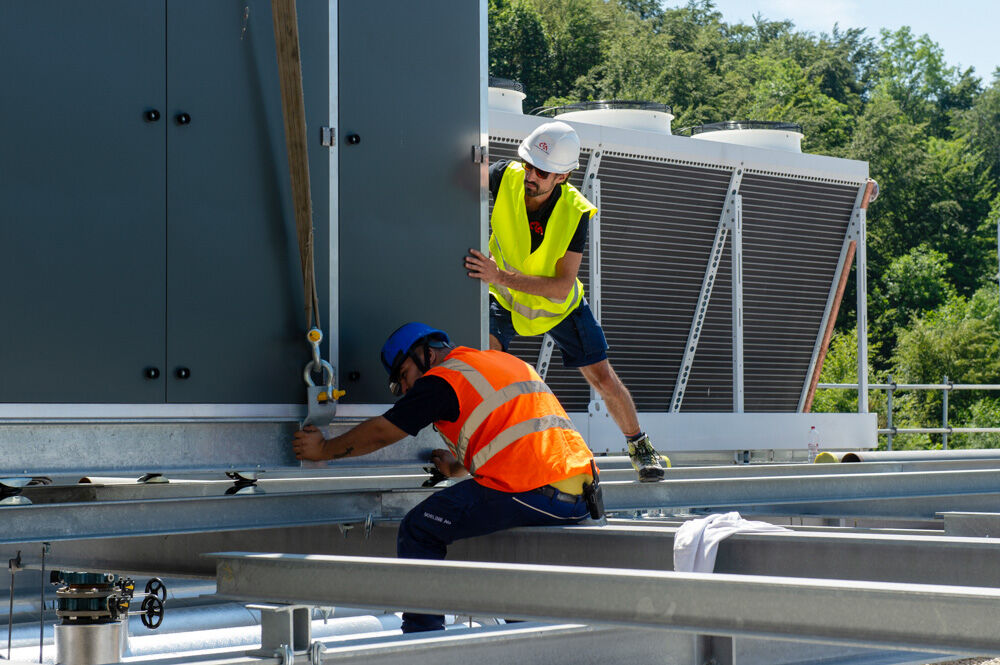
(945, 387)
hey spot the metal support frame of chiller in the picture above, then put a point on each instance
(856, 235)
(860, 223)
(731, 220)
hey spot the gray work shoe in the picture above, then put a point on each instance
(645, 460)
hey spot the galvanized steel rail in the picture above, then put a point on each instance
(945, 387)
(639, 544)
(947, 618)
(918, 495)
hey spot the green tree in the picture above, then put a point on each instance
(761, 87)
(914, 73)
(934, 191)
(913, 284)
(645, 9)
(578, 33)
(960, 340)
(980, 126)
(518, 48)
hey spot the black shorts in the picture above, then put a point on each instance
(578, 336)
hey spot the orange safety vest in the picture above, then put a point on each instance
(512, 433)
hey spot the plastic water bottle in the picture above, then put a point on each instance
(813, 444)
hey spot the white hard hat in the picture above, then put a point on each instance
(552, 147)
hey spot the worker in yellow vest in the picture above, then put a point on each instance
(540, 226)
(501, 423)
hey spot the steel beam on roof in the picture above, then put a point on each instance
(105, 519)
(532, 643)
(918, 494)
(914, 508)
(846, 556)
(834, 488)
(542, 644)
(975, 525)
(776, 470)
(523, 643)
(946, 618)
(637, 545)
(107, 490)
(387, 478)
(98, 488)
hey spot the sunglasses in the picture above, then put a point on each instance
(540, 174)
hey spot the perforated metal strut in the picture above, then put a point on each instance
(728, 220)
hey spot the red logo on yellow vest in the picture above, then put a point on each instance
(543, 146)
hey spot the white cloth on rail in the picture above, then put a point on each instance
(696, 542)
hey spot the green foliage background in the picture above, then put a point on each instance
(929, 131)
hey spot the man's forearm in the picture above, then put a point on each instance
(371, 435)
(557, 288)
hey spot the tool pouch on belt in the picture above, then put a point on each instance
(594, 495)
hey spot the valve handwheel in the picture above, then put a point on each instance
(152, 612)
(156, 587)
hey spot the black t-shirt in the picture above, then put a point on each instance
(431, 398)
(539, 219)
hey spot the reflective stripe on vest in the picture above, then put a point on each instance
(511, 431)
(492, 400)
(515, 432)
(513, 305)
(510, 245)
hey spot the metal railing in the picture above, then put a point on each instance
(945, 387)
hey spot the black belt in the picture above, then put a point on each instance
(552, 493)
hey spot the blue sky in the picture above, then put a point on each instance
(967, 30)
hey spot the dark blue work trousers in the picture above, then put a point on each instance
(469, 509)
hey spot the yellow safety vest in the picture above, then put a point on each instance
(510, 245)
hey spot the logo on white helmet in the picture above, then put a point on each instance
(543, 146)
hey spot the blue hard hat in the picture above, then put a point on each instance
(396, 348)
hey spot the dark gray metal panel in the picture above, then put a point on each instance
(566, 382)
(81, 200)
(235, 315)
(658, 223)
(409, 190)
(793, 230)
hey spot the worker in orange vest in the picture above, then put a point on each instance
(502, 424)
